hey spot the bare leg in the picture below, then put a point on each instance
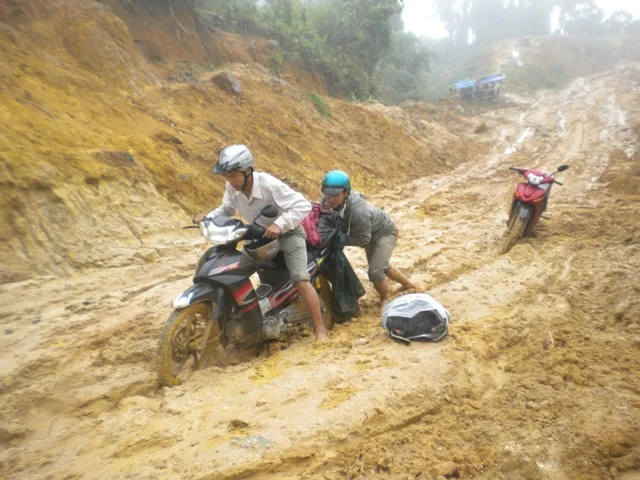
(310, 298)
(382, 287)
(397, 276)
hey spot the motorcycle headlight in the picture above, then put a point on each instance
(534, 179)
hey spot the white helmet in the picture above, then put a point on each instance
(233, 157)
(262, 252)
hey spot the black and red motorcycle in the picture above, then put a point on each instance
(528, 203)
(226, 303)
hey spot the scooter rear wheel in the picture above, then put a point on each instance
(180, 349)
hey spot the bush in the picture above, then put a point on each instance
(321, 106)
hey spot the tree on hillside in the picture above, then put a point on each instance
(357, 28)
(580, 17)
(528, 17)
(403, 71)
(358, 33)
(455, 17)
(618, 22)
(236, 15)
(287, 21)
(586, 20)
(487, 20)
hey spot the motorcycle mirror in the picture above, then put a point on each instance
(562, 168)
(270, 211)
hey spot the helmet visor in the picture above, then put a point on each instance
(332, 191)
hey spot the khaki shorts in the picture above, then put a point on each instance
(378, 256)
(294, 246)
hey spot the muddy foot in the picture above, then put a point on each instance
(322, 337)
(404, 288)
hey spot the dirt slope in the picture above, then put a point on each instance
(116, 148)
(102, 166)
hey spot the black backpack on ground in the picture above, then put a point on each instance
(415, 316)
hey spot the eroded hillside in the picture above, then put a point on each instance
(115, 148)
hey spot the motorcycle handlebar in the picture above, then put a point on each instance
(255, 232)
(556, 181)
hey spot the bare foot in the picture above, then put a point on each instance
(322, 337)
(404, 288)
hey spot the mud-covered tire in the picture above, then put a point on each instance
(324, 293)
(514, 232)
(180, 343)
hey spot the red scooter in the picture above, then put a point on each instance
(529, 202)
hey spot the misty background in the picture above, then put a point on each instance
(421, 18)
(363, 51)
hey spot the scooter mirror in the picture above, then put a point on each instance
(270, 211)
(562, 168)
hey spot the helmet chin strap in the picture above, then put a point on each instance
(339, 207)
(246, 178)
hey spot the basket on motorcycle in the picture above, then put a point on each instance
(263, 250)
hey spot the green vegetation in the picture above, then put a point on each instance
(320, 104)
(275, 65)
(359, 47)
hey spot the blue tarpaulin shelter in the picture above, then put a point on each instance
(481, 88)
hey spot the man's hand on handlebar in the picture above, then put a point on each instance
(272, 231)
(198, 218)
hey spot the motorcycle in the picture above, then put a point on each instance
(226, 305)
(529, 203)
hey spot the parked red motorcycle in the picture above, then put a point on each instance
(529, 202)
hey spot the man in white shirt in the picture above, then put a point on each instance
(248, 192)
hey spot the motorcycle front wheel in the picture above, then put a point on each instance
(180, 349)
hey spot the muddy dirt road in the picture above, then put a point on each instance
(78, 395)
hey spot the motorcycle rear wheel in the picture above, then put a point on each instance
(180, 347)
(515, 231)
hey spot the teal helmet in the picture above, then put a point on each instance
(335, 182)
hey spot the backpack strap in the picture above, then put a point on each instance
(399, 339)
